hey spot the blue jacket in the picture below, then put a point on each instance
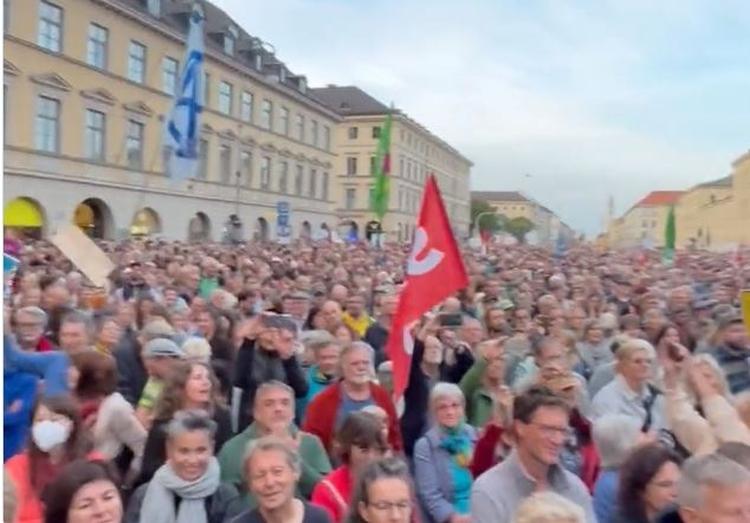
(433, 475)
(50, 366)
(605, 495)
(19, 393)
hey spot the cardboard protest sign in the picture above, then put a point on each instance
(85, 255)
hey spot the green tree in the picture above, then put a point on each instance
(519, 227)
(488, 222)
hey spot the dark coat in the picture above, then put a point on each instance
(244, 379)
(223, 505)
(131, 374)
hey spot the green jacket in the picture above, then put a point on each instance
(479, 403)
(315, 463)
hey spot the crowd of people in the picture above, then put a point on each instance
(251, 383)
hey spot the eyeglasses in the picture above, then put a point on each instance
(552, 432)
(388, 506)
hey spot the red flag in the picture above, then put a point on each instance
(434, 272)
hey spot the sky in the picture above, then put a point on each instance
(570, 102)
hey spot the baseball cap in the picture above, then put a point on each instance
(729, 319)
(162, 347)
(505, 304)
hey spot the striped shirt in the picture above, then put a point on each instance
(736, 367)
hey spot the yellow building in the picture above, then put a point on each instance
(87, 84)
(716, 215)
(513, 204)
(643, 225)
(415, 153)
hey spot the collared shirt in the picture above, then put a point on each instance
(618, 398)
(497, 493)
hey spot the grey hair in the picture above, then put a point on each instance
(708, 470)
(615, 435)
(81, 318)
(319, 339)
(446, 390)
(36, 312)
(273, 384)
(190, 420)
(633, 345)
(548, 507)
(270, 443)
(388, 468)
(359, 345)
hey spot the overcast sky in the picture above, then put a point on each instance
(590, 98)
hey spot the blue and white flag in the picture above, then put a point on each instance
(182, 128)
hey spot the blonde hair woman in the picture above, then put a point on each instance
(548, 507)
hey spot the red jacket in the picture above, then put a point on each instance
(320, 415)
(44, 345)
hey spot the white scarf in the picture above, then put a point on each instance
(159, 504)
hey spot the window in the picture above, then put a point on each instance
(376, 132)
(230, 38)
(351, 166)
(324, 188)
(401, 167)
(6, 15)
(203, 152)
(372, 165)
(401, 199)
(267, 115)
(265, 173)
(95, 123)
(284, 118)
(283, 177)
(169, 68)
(313, 183)
(300, 127)
(225, 162)
(50, 27)
(134, 145)
(206, 89)
(154, 7)
(314, 132)
(225, 98)
(371, 193)
(353, 132)
(351, 197)
(246, 159)
(136, 62)
(96, 49)
(326, 138)
(47, 124)
(298, 179)
(246, 107)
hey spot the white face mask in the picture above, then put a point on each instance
(49, 434)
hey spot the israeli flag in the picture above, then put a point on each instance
(182, 128)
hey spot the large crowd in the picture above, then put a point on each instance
(215, 383)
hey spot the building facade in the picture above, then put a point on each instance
(87, 84)
(548, 227)
(415, 154)
(643, 225)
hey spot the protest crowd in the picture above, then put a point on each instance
(248, 383)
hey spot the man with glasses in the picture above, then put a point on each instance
(29, 324)
(540, 422)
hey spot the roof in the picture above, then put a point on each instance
(499, 196)
(349, 100)
(720, 182)
(657, 198)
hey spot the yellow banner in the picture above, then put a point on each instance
(745, 305)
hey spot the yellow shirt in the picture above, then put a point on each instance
(358, 325)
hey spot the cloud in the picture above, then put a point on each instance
(591, 98)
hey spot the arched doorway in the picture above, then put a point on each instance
(261, 230)
(372, 228)
(94, 218)
(145, 223)
(26, 216)
(349, 231)
(306, 232)
(199, 229)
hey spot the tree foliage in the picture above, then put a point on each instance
(519, 227)
(488, 222)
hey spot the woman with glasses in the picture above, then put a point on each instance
(384, 493)
(360, 441)
(648, 484)
(442, 458)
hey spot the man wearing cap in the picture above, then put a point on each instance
(159, 356)
(733, 352)
(131, 370)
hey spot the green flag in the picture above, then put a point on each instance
(670, 233)
(382, 189)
